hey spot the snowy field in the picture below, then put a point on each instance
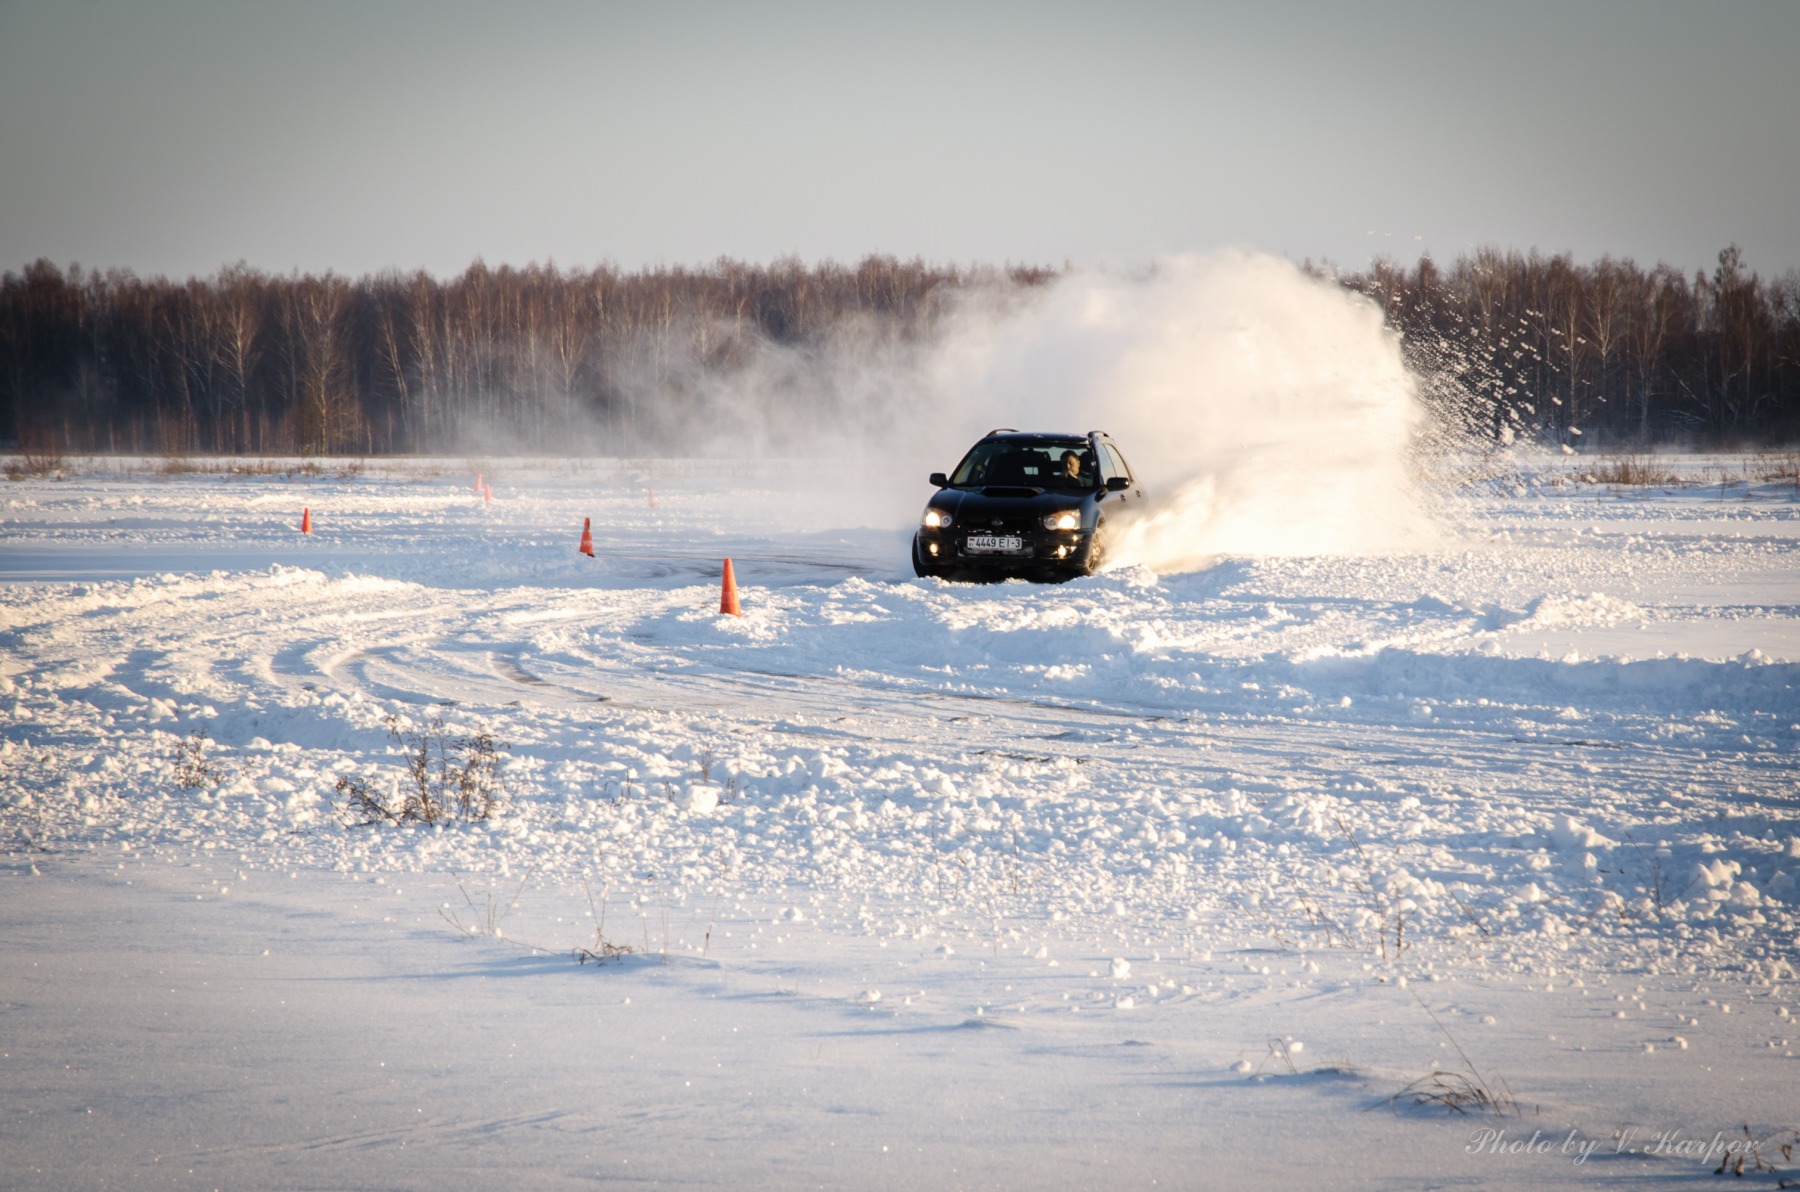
(1262, 873)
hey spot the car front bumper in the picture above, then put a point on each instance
(1052, 548)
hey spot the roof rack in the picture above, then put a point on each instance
(1000, 430)
(1098, 434)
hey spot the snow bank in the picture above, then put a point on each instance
(1047, 842)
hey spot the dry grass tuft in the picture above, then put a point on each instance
(1777, 468)
(193, 769)
(1468, 1091)
(447, 775)
(1459, 1093)
(1630, 470)
(38, 456)
(604, 949)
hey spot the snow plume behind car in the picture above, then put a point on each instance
(1270, 411)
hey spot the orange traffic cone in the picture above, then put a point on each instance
(306, 521)
(478, 482)
(487, 492)
(728, 598)
(652, 493)
(587, 537)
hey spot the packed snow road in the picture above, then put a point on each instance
(1215, 809)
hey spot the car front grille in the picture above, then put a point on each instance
(1022, 527)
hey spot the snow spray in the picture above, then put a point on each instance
(1266, 411)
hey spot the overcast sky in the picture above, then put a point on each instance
(176, 136)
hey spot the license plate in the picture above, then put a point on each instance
(995, 544)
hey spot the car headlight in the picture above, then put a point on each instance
(1068, 519)
(935, 519)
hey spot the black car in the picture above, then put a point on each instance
(1019, 503)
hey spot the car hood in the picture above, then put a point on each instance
(1005, 501)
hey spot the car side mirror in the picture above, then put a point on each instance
(939, 479)
(1117, 484)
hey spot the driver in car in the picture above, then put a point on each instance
(1072, 464)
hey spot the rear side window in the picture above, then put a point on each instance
(1112, 463)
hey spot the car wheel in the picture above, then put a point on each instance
(1096, 553)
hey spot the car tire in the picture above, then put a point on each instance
(1095, 558)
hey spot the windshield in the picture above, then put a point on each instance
(1067, 466)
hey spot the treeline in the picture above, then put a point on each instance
(1512, 344)
(522, 358)
(542, 359)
